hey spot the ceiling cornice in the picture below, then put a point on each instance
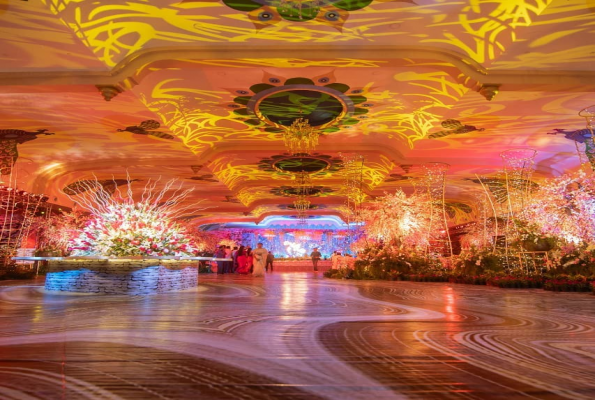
(131, 70)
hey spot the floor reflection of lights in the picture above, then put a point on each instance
(293, 291)
(298, 335)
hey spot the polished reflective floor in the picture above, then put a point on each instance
(297, 336)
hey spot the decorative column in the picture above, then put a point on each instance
(518, 168)
(435, 187)
(519, 165)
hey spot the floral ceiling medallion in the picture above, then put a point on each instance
(313, 164)
(320, 106)
(264, 13)
(277, 103)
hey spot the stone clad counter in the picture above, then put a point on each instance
(121, 276)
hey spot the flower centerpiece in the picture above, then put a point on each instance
(120, 226)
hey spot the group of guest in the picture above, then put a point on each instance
(339, 261)
(244, 260)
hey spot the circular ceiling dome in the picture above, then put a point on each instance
(298, 163)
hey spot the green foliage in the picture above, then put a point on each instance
(352, 5)
(519, 282)
(387, 263)
(343, 273)
(15, 271)
(242, 5)
(478, 262)
(570, 283)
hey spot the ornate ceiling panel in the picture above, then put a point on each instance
(203, 91)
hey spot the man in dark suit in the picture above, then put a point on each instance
(270, 258)
(315, 255)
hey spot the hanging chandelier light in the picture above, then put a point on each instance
(303, 183)
(302, 205)
(300, 137)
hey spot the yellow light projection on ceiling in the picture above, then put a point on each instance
(232, 175)
(481, 29)
(491, 34)
(196, 116)
(249, 195)
(205, 118)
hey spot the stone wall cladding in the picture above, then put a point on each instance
(130, 277)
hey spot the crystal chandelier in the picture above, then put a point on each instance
(303, 183)
(302, 204)
(300, 137)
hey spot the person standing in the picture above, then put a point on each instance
(335, 260)
(260, 258)
(249, 260)
(242, 261)
(228, 266)
(220, 264)
(315, 255)
(234, 257)
(270, 259)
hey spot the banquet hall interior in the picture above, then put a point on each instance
(297, 199)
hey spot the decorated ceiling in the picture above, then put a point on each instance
(203, 91)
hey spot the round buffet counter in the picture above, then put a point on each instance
(129, 276)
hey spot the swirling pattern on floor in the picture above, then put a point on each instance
(297, 335)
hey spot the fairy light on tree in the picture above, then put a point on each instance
(121, 226)
(398, 219)
(17, 210)
(564, 207)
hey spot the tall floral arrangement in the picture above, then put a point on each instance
(121, 226)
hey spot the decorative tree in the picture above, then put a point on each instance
(398, 219)
(121, 226)
(55, 230)
(564, 207)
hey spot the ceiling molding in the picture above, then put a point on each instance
(131, 70)
(47, 175)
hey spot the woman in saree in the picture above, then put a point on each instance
(242, 261)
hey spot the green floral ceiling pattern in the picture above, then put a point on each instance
(314, 164)
(265, 13)
(274, 105)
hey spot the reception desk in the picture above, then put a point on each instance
(129, 276)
